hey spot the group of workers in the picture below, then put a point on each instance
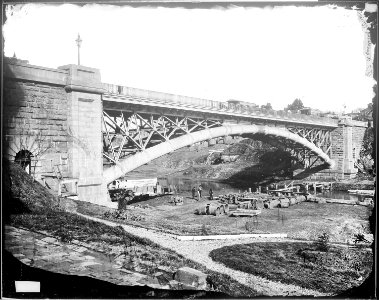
(199, 191)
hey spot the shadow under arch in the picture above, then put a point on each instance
(307, 172)
(130, 163)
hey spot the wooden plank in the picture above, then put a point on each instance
(284, 189)
(246, 212)
(290, 184)
(362, 192)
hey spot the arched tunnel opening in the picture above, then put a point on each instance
(24, 159)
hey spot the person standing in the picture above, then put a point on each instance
(210, 194)
(199, 190)
(193, 192)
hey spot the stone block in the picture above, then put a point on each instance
(58, 117)
(191, 277)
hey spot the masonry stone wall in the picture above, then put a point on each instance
(358, 135)
(35, 119)
(55, 114)
(337, 153)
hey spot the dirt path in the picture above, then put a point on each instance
(198, 251)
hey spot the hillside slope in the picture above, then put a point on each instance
(247, 160)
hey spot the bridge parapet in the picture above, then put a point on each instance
(153, 98)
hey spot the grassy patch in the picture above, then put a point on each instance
(38, 210)
(333, 271)
(59, 223)
(147, 256)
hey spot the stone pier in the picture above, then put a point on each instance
(347, 142)
(84, 89)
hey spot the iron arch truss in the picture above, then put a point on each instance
(164, 135)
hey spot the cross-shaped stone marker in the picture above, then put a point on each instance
(78, 42)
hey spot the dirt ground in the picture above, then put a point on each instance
(306, 220)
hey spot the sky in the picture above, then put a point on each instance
(259, 55)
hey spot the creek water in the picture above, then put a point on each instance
(186, 184)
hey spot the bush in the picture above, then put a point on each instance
(249, 226)
(204, 230)
(322, 243)
(360, 238)
(121, 196)
(123, 215)
(64, 235)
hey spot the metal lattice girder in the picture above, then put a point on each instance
(126, 133)
(298, 152)
(321, 137)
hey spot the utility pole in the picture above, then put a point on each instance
(78, 43)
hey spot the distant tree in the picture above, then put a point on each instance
(268, 106)
(296, 105)
(366, 113)
(366, 160)
(375, 120)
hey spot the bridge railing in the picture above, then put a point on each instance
(249, 110)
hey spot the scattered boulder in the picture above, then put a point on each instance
(191, 277)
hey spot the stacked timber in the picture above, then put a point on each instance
(214, 209)
(283, 202)
(250, 200)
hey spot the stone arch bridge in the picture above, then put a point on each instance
(96, 132)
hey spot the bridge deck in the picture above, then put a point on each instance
(133, 96)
